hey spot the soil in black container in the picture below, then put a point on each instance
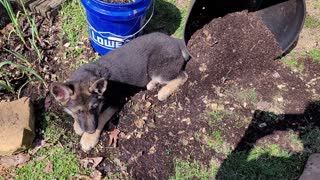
(238, 45)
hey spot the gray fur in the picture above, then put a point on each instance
(135, 63)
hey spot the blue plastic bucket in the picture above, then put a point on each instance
(113, 25)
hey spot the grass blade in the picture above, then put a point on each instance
(19, 56)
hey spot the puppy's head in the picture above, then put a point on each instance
(82, 101)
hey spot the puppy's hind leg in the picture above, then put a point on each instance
(172, 86)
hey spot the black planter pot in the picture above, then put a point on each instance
(284, 18)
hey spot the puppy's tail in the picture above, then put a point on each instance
(185, 53)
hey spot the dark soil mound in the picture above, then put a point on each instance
(235, 46)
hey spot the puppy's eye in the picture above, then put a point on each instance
(79, 112)
(94, 106)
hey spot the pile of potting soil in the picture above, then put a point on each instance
(238, 45)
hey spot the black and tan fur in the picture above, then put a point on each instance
(146, 61)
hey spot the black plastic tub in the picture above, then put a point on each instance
(284, 18)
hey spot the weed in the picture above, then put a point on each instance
(63, 160)
(14, 19)
(217, 115)
(243, 95)
(29, 72)
(293, 64)
(185, 170)
(311, 22)
(215, 141)
(315, 55)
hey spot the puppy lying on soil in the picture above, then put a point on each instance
(146, 61)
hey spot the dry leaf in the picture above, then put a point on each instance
(139, 123)
(152, 150)
(49, 167)
(113, 137)
(91, 162)
(81, 177)
(14, 160)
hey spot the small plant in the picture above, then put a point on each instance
(315, 55)
(18, 30)
(14, 19)
(215, 141)
(218, 115)
(26, 71)
(248, 96)
(186, 170)
(293, 64)
(311, 22)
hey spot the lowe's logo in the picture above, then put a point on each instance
(106, 42)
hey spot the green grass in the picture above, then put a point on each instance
(311, 22)
(267, 162)
(295, 141)
(293, 64)
(311, 140)
(215, 141)
(186, 170)
(243, 95)
(168, 17)
(316, 4)
(217, 115)
(74, 26)
(315, 55)
(64, 161)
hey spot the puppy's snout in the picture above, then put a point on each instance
(89, 125)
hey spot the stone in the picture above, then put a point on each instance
(17, 126)
(312, 168)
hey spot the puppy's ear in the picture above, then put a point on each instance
(61, 92)
(99, 86)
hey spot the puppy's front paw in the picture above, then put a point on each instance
(89, 141)
(164, 93)
(77, 128)
(151, 85)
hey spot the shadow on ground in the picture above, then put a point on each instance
(166, 18)
(240, 164)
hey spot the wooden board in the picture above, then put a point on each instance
(47, 8)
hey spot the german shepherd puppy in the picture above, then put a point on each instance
(146, 61)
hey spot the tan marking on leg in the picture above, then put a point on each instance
(171, 87)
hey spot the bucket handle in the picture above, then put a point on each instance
(125, 37)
